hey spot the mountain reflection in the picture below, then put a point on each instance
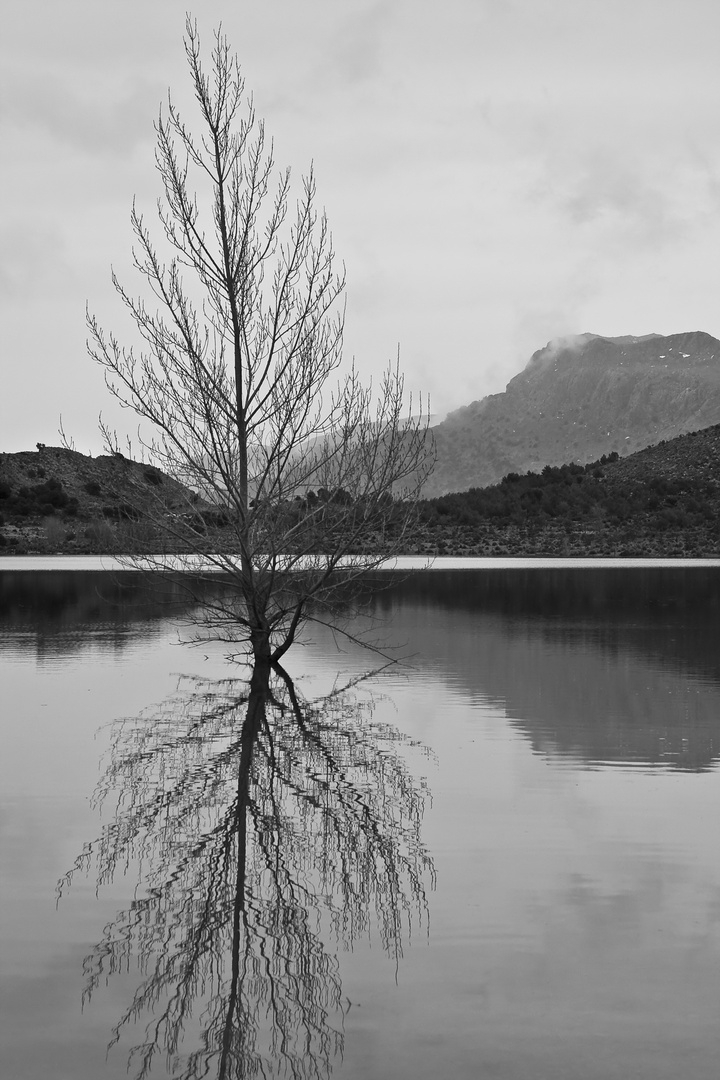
(602, 666)
(262, 826)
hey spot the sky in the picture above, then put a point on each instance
(496, 174)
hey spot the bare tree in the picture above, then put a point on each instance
(312, 474)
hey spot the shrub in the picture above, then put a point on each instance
(52, 492)
(101, 535)
(671, 518)
(123, 511)
(55, 533)
(39, 496)
(93, 488)
(137, 536)
(215, 519)
(196, 523)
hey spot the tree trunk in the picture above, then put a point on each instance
(260, 640)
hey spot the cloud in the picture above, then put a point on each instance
(606, 184)
(357, 44)
(544, 358)
(79, 117)
(32, 256)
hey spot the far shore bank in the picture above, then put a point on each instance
(402, 564)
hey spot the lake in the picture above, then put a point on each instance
(497, 857)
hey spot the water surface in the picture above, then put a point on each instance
(559, 735)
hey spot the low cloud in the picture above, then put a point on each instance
(572, 343)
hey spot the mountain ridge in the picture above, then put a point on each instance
(578, 398)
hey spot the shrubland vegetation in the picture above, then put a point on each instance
(662, 501)
(611, 506)
(60, 500)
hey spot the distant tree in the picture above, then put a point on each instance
(240, 375)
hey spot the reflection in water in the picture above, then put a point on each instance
(58, 612)
(599, 667)
(602, 666)
(576, 920)
(262, 825)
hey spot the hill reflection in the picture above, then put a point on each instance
(61, 611)
(268, 831)
(605, 666)
(596, 666)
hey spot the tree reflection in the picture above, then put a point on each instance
(261, 824)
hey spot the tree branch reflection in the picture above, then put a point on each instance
(260, 825)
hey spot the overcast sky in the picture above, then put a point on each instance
(496, 173)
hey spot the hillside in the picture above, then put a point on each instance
(580, 398)
(57, 499)
(661, 501)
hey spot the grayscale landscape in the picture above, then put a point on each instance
(360, 541)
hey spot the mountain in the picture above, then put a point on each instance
(577, 399)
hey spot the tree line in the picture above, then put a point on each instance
(574, 494)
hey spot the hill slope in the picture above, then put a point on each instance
(57, 499)
(577, 399)
(661, 501)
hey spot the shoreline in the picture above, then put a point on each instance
(403, 564)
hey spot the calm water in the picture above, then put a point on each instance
(498, 859)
